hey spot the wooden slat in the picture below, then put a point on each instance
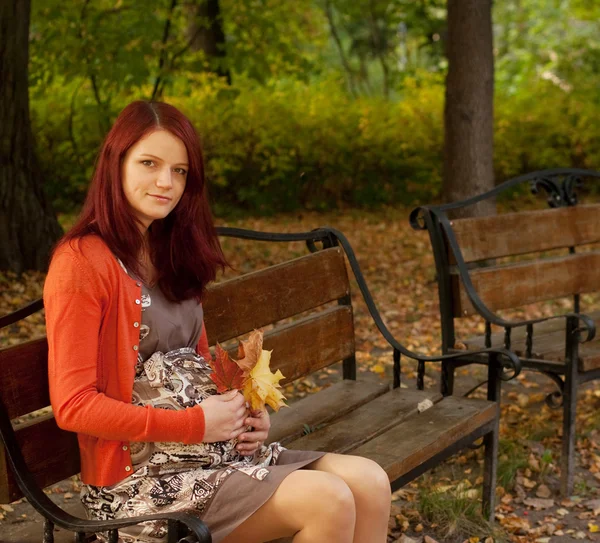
(518, 335)
(324, 406)
(548, 343)
(24, 377)
(524, 283)
(366, 422)
(527, 232)
(311, 343)
(52, 455)
(242, 304)
(422, 436)
(549, 334)
(589, 355)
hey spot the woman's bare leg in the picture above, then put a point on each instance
(370, 487)
(313, 506)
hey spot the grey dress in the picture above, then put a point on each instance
(210, 479)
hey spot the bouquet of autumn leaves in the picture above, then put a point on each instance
(250, 373)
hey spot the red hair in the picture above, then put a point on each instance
(184, 247)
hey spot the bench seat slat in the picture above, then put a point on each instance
(324, 406)
(524, 283)
(548, 344)
(421, 437)
(239, 305)
(366, 422)
(493, 237)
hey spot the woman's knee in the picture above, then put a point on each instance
(377, 481)
(367, 480)
(333, 498)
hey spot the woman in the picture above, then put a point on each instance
(122, 296)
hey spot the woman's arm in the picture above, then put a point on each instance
(202, 347)
(76, 294)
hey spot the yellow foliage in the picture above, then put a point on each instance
(262, 385)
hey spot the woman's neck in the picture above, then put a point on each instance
(148, 268)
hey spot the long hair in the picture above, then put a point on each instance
(183, 246)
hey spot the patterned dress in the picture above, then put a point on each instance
(210, 479)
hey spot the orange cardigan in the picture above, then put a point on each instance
(93, 314)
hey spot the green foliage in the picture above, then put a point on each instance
(332, 102)
(279, 146)
(545, 126)
(455, 515)
(271, 38)
(511, 458)
(290, 144)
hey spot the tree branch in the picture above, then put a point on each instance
(163, 51)
(338, 42)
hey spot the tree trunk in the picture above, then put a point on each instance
(28, 226)
(469, 110)
(205, 32)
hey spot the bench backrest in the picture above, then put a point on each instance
(322, 334)
(515, 284)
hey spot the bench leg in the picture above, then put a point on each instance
(490, 468)
(567, 458)
(48, 531)
(490, 442)
(447, 385)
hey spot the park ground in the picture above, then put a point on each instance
(442, 505)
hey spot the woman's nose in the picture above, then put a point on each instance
(164, 179)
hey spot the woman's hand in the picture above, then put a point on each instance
(251, 441)
(224, 416)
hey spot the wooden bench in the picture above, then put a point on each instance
(305, 305)
(513, 259)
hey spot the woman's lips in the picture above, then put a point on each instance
(161, 199)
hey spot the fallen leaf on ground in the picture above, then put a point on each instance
(543, 492)
(539, 503)
(424, 405)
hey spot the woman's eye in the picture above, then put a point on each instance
(180, 171)
(147, 163)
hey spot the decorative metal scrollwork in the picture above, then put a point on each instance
(561, 193)
(417, 219)
(511, 367)
(555, 399)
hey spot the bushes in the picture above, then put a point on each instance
(289, 144)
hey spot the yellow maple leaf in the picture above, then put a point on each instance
(594, 528)
(262, 385)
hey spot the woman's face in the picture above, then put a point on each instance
(154, 174)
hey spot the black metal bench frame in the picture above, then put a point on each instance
(502, 365)
(560, 186)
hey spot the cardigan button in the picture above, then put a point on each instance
(138, 284)
(136, 324)
(138, 302)
(125, 447)
(127, 468)
(135, 347)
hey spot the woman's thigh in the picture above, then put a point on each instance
(310, 500)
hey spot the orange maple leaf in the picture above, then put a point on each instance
(227, 375)
(249, 351)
